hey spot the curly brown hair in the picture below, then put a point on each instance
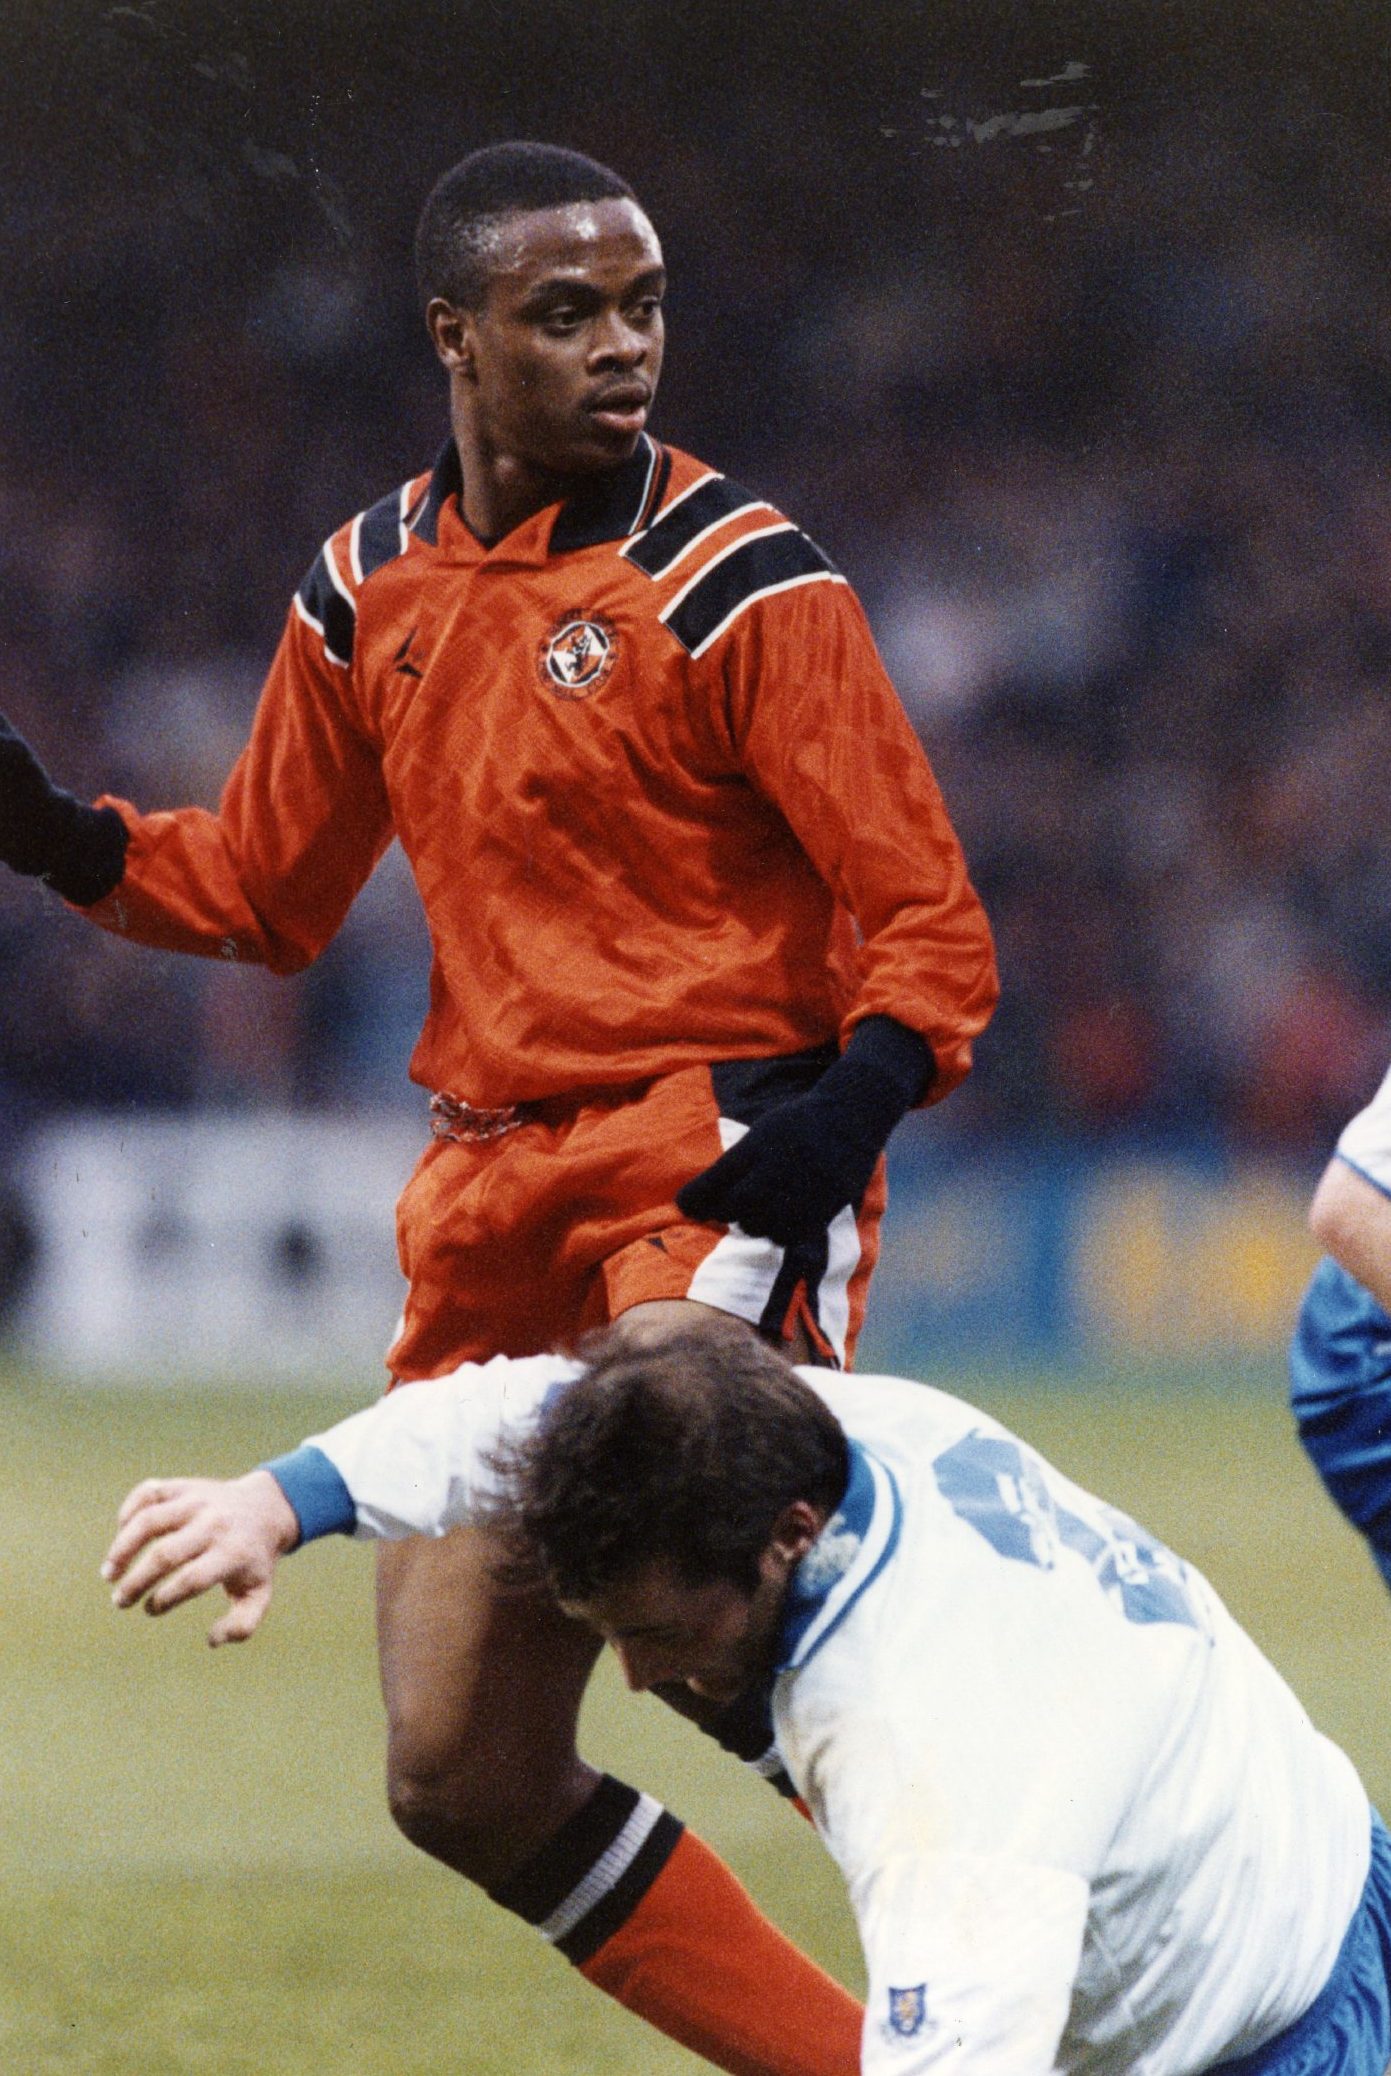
(681, 1447)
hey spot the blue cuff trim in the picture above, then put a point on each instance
(315, 1489)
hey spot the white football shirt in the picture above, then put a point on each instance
(1085, 1825)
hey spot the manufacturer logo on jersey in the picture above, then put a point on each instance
(908, 2011)
(577, 655)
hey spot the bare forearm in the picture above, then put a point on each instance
(1351, 1219)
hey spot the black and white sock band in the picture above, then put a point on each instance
(592, 1875)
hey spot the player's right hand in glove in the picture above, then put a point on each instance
(800, 1164)
(44, 832)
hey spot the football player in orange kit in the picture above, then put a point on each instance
(701, 932)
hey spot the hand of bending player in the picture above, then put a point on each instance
(179, 1537)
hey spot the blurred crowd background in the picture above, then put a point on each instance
(1067, 332)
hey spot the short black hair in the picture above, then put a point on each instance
(682, 1448)
(499, 181)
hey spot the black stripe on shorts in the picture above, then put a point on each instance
(746, 1090)
(805, 1264)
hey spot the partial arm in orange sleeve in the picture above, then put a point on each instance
(822, 733)
(303, 819)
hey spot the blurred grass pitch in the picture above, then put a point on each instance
(197, 1873)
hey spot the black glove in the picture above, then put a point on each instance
(800, 1164)
(45, 832)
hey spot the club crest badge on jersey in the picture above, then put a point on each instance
(577, 655)
(907, 2011)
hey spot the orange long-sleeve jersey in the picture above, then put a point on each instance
(660, 799)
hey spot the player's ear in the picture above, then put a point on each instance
(451, 333)
(792, 1535)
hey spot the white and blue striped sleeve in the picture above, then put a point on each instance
(418, 1461)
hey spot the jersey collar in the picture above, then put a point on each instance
(446, 481)
(614, 505)
(851, 1550)
(610, 506)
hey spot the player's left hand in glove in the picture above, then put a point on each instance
(44, 832)
(800, 1164)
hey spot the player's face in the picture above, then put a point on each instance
(714, 1639)
(561, 362)
(717, 1639)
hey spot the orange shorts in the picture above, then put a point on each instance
(520, 1244)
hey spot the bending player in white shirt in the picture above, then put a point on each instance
(1084, 1824)
(1340, 1358)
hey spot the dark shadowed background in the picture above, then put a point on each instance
(1065, 329)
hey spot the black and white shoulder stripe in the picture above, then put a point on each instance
(776, 558)
(687, 522)
(324, 600)
(381, 533)
(325, 603)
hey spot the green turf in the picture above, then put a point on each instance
(196, 1869)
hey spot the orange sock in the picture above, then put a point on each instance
(698, 1960)
(648, 1913)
